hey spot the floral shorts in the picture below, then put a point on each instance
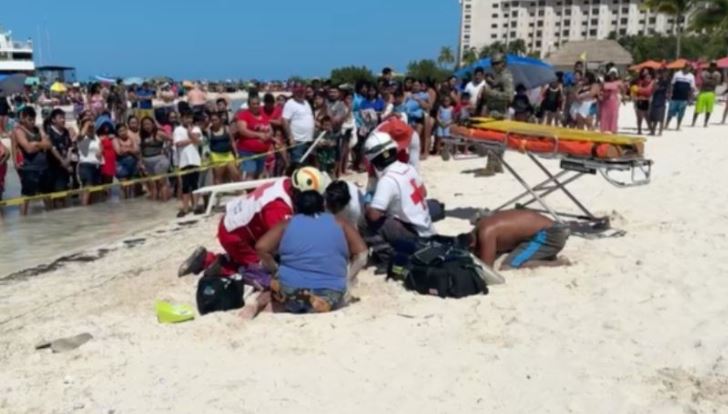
(306, 300)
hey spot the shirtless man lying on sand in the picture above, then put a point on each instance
(530, 239)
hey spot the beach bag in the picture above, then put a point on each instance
(216, 293)
(438, 267)
(437, 210)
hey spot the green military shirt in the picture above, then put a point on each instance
(499, 94)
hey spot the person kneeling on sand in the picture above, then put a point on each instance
(529, 238)
(246, 220)
(398, 209)
(314, 272)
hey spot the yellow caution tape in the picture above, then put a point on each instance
(16, 201)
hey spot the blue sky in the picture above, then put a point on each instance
(218, 39)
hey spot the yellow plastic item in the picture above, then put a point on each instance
(171, 313)
(565, 134)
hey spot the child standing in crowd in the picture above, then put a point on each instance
(187, 139)
(522, 108)
(326, 150)
(222, 150)
(445, 118)
(105, 132)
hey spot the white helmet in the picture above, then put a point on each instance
(308, 178)
(378, 143)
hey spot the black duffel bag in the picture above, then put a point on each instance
(438, 268)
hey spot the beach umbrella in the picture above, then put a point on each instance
(12, 84)
(530, 72)
(134, 80)
(678, 64)
(58, 87)
(722, 63)
(651, 64)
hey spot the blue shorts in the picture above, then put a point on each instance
(252, 166)
(677, 108)
(544, 245)
(298, 151)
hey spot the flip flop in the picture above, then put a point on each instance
(66, 344)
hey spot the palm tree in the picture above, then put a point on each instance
(517, 47)
(470, 56)
(446, 56)
(679, 10)
(711, 16)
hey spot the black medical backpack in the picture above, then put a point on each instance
(215, 293)
(440, 268)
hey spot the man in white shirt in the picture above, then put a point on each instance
(398, 210)
(475, 86)
(683, 88)
(298, 123)
(186, 140)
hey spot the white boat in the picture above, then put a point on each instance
(15, 56)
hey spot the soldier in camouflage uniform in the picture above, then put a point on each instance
(498, 94)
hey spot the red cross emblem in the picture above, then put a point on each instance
(418, 193)
(258, 192)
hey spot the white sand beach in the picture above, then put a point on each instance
(637, 324)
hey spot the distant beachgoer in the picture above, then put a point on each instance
(222, 150)
(298, 123)
(133, 128)
(96, 103)
(33, 146)
(127, 158)
(187, 139)
(90, 159)
(197, 98)
(4, 112)
(327, 148)
(706, 98)
(658, 103)
(683, 88)
(529, 238)
(609, 103)
(475, 87)
(144, 98)
(313, 274)
(552, 102)
(117, 102)
(255, 137)
(60, 168)
(246, 220)
(155, 161)
(586, 95)
(445, 119)
(642, 96)
(221, 107)
(4, 157)
(398, 209)
(522, 108)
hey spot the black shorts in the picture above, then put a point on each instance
(58, 180)
(642, 105)
(190, 181)
(544, 245)
(89, 174)
(33, 182)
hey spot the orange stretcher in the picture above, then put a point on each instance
(580, 153)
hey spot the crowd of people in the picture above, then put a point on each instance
(122, 133)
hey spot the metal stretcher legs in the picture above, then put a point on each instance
(553, 183)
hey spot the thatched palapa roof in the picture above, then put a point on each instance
(596, 51)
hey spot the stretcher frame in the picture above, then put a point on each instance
(584, 223)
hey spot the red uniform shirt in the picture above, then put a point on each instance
(108, 168)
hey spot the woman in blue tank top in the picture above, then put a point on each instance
(314, 249)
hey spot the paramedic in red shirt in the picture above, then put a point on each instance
(247, 219)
